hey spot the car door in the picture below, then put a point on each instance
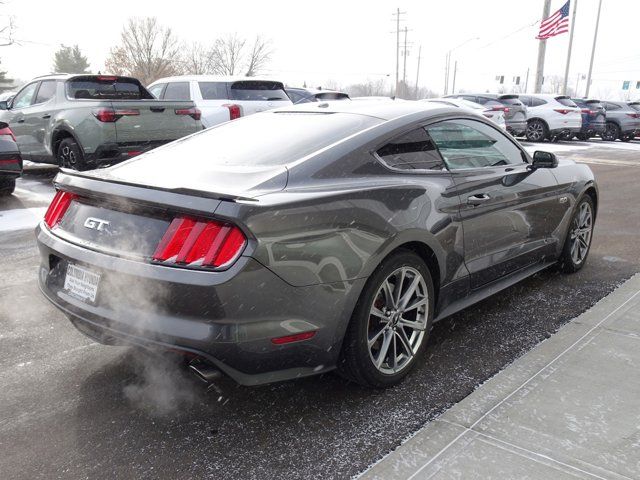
(510, 213)
(22, 131)
(37, 117)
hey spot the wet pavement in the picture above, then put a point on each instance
(75, 409)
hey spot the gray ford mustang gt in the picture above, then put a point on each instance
(301, 240)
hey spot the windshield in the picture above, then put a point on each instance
(106, 88)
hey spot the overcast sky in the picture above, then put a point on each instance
(349, 41)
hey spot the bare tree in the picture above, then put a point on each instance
(148, 51)
(370, 88)
(259, 56)
(227, 54)
(197, 60)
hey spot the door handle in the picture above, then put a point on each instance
(46, 115)
(478, 199)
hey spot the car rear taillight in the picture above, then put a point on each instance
(193, 112)
(234, 111)
(110, 115)
(10, 160)
(499, 108)
(563, 111)
(7, 131)
(58, 207)
(200, 243)
(634, 115)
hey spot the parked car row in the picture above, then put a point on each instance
(552, 117)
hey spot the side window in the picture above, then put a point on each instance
(156, 90)
(611, 106)
(24, 97)
(213, 90)
(177, 91)
(472, 144)
(525, 100)
(471, 98)
(412, 151)
(536, 102)
(46, 91)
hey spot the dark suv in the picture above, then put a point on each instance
(594, 118)
(515, 112)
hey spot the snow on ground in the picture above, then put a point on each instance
(20, 219)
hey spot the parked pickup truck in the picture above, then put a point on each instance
(222, 98)
(83, 121)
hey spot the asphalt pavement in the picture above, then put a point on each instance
(71, 408)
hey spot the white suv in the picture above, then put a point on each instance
(221, 99)
(551, 117)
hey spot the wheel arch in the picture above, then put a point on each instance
(546, 124)
(59, 134)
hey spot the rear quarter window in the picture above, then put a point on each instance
(177, 91)
(567, 102)
(213, 90)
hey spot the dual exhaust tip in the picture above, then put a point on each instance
(204, 371)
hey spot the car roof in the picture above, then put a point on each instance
(212, 78)
(381, 110)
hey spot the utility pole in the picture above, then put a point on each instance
(446, 72)
(526, 81)
(418, 70)
(455, 70)
(566, 68)
(593, 51)
(397, 15)
(542, 48)
(404, 68)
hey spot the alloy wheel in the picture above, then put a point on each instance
(535, 131)
(581, 230)
(68, 157)
(398, 320)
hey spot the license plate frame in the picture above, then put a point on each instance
(81, 282)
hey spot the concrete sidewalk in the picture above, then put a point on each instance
(569, 408)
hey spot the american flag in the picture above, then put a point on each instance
(556, 24)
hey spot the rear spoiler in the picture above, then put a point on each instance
(182, 198)
(594, 101)
(509, 96)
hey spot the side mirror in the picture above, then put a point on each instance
(544, 160)
(4, 105)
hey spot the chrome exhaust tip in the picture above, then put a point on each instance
(204, 371)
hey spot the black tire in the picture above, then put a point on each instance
(536, 131)
(626, 138)
(611, 133)
(567, 261)
(356, 358)
(7, 186)
(582, 137)
(70, 155)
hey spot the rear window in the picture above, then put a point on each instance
(510, 101)
(213, 90)
(275, 139)
(332, 96)
(567, 102)
(106, 88)
(258, 91)
(593, 104)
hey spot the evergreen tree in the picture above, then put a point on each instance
(70, 60)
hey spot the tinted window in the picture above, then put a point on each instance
(156, 90)
(472, 98)
(332, 96)
(275, 139)
(611, 106)
(46, 91)
(301, 97)
(635, 106)
(256, 90)
(177, 91)
(525, 100)
(510, 101)
(23, 99)
(537, 102)
(106, 88)
(471, 144)
(213, 90)
(567, 102)
(580, 103)
(412, 151)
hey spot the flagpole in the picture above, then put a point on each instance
(573, 27)
(542, 47)
(593, 51)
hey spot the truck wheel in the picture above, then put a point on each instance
(7, 186)
(70, 155)
(612, 133)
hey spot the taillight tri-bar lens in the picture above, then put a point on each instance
(200, 243)
(58, 207)
(109, 115)
(193, 112)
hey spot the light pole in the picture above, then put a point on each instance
(448, 66)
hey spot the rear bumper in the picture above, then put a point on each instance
(111, 153)
(228, 318)
(516, 127)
